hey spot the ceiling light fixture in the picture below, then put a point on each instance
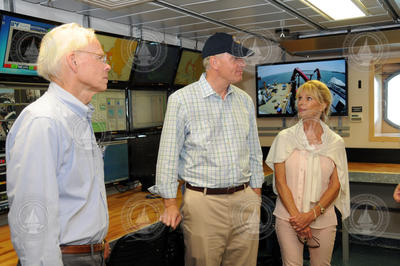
(338, 9)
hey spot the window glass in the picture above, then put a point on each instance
(392, 101)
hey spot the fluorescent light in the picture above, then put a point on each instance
(338, 9)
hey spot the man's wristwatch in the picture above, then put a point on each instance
(322, 209)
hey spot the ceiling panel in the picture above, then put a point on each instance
(128, 11)
(69, 5)
(191, 27)
(204, 34)
(247, 12)
(297, 4)
(193, 18)
(34, 1)
(207, 7)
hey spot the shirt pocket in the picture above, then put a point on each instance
(201, 132)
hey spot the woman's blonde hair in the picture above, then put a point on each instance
(57, 43)
(320, 92)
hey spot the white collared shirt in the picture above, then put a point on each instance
(55, 179)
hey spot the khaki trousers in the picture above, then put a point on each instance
(292, 249)
(221, 229)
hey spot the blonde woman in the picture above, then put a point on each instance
(310, 177)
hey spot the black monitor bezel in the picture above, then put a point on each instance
(165, 85)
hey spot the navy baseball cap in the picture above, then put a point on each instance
(224, 43)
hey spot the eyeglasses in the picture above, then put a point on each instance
(101, 57)
(306, 242)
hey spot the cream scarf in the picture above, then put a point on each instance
(332, 146)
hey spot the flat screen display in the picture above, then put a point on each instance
(20, 39)
(143, 152)
(110, 111)
(148, 108)
(190, 67)
(277, 84)
(12, 101)
(155, 64)
(120, 53)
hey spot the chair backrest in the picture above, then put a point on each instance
(147, 246)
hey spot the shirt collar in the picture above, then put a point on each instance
(206, 88)
(71, 101)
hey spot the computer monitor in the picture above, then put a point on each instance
(143, 152)
(276, 85)
(148, 109)
(109, 117)
(20, 38)
(155, 64)
(190, 67)
(12, 101)
(120, 53)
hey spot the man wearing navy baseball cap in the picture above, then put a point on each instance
(210, 141)
(220, 43)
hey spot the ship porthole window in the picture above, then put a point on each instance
(391, 97)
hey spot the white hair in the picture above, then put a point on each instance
(57, 43)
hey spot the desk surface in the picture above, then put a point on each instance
(363, 172)
(383, 168)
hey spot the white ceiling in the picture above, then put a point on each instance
(198, 19)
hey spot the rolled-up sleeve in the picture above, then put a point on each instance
(172, 138)
(32, 189)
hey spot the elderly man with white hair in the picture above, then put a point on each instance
(55, 179)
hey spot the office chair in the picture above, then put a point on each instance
(154, 245)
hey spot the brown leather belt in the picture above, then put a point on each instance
(218, 191)
(80, 249)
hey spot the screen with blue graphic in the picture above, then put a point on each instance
(109, 111)
(20, 39)
(277, 85)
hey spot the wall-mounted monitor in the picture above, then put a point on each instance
(12, 101)
(190, 67)
(155, 64)
(148, 108)
(276, 85)
(20, 38)
(109, 117)
(143, 151)
(120, 53)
